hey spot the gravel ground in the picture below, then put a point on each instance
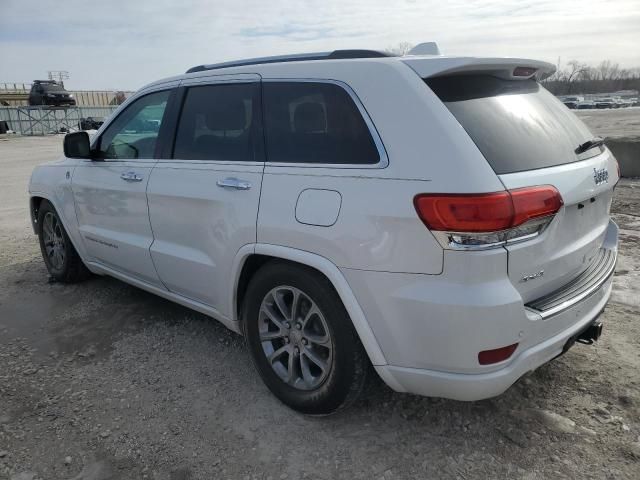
(103, 381)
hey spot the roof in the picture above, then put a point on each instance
(424, 64)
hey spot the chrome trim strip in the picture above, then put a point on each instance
(582, 295)
(446, 239)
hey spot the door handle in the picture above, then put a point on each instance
(131, 177)
(232, 182)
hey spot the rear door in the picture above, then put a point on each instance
(530, 138)
(203, 195)
(110, 191)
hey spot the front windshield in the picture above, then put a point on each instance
(52, 87)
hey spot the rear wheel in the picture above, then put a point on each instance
(301, 339)
(61, 258)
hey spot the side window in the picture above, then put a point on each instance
(134, 133)
(218, 123)
(308, 122)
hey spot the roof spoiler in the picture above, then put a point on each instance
(507, 68)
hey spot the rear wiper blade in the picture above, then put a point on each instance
(589, 144)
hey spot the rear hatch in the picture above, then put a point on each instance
(530, 138)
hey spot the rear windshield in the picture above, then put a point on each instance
(517, 124)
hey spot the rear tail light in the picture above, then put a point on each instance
(487, 357)
(489, 219)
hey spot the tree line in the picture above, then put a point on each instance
(577, 77)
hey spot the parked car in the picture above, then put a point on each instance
(572, 102)
(49, 92)
(586, 104)
(606, 102)
(90, 123)
(349, 210)
(623, 102)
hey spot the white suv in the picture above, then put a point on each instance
(443, 219)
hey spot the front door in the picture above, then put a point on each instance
(203, 198)
(110, 190)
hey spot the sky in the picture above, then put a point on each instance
(124, 44)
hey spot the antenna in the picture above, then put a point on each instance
(58, 76)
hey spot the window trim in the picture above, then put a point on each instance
(383, 158)
(162, 132)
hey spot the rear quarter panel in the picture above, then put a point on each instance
(376, 229)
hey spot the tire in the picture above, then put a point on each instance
(297, 379)
(59, 255)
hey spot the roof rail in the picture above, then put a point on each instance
(336, 54)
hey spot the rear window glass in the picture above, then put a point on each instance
(307, 122)
(517, 124)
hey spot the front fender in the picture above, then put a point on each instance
(52, 182)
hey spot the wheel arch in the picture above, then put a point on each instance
(35, 202)
(251, 257)
(34, 207)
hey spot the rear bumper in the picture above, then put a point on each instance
(432, 327)
(469, 387)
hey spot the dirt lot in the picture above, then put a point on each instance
(102, 381)
(616, 123)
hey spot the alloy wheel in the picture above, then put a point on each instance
(53, 240)
(295, 338)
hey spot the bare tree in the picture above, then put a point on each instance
(400, 49)
(574, 72)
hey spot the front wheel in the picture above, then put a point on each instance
(60, 257)
(301, 339)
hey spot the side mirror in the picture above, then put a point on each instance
(76, 145)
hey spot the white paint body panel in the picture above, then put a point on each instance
(422, 313)
(113, 216)
(369, 234)
(199, 227)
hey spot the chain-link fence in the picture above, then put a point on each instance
(44, 120)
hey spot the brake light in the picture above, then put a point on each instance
(524, 71)
(487, 357)
(488, 219)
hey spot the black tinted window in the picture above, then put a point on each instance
(218, 123)
(517, 124)
(309, 122)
